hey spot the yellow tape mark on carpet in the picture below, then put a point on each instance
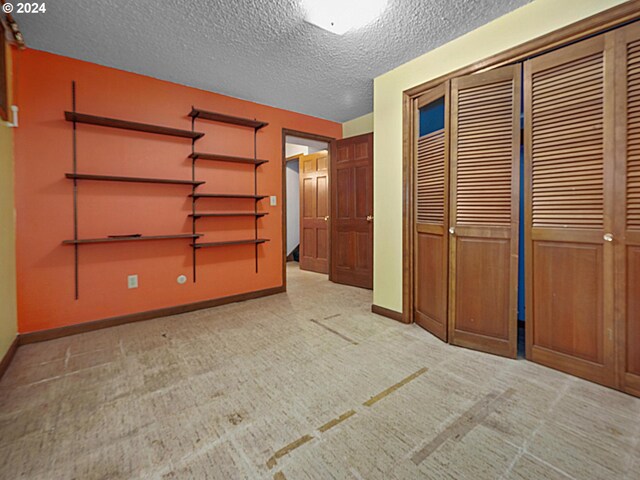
(393, 388)
(335, 332)
(336, 421)
(287, 449)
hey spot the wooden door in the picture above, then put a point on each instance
(485, 148)
(626, 241)
(352, 207)
(314, 212)
(431, 179)
(569, 163)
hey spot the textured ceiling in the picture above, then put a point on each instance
(259, 50)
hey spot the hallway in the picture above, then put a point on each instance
(305, 384)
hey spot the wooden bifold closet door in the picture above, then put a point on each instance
(483, 232)
(570, 199)
(431, 212)
(626, 241)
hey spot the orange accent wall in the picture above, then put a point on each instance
(44, 201)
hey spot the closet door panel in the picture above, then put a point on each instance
(485, 153)
(633, 313)
(571, 271)
(431, 303)
(569, 202)
(431, 220)
(627, 242)
(488, 299)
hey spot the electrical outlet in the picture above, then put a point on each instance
(132, 281)
(273, 200)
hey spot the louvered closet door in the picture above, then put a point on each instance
(485, 136)
(627, 199)
(431, 222)
(569, 216)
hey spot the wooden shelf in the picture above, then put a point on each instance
(253, 241)
(225, 158)
(129, 239)
(226, 195)
(127, 125)
(222, 118)
(112, 178)
(229, 214)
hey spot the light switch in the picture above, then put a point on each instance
(132, 281)
(273, 201)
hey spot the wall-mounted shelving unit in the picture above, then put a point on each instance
(196, 114)
(255, 125)
(84, 118)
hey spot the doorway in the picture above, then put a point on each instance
(306, 199)
(329, 216)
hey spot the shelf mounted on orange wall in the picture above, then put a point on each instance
(255, 125)
(75, 118)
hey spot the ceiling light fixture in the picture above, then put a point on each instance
(340, 16)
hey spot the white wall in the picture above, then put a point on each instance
(312, 145)
(293, 205)
(292, 149)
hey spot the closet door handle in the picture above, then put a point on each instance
(608, 237)
(452, 230)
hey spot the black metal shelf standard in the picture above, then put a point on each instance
(255, 125)
(75, 117)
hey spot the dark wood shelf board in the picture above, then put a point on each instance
(229, 214)
(222, 118)
(226, 195)
(83, 241)
(252, 241)
(127, 125)
(226, 158)
(112, 178)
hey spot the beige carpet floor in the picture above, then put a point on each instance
(304, 385)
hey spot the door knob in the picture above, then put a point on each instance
(452, 230)
(608, 237)
(369, 218)
(326, 219)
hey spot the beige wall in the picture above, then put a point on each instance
(8, 316)
(517, 27)
(358, 126)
